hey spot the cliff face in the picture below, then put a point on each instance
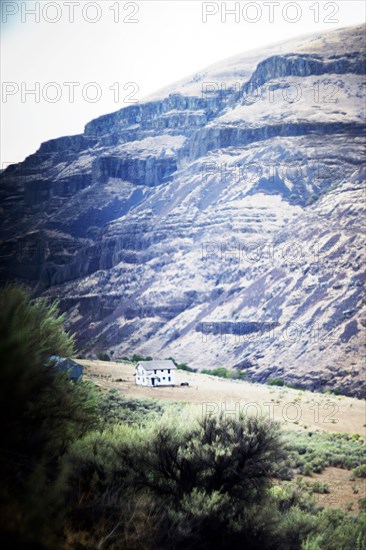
(221, 227)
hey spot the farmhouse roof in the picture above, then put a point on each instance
(157, 365)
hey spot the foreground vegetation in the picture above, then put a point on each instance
(83, 469)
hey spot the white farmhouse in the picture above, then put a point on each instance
(155, 373)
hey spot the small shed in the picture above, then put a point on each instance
(63, 364)
(155, 373)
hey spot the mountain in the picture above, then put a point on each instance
(220, 221)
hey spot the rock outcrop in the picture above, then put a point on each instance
(218, 222)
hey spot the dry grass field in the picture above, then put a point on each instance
(296, 409)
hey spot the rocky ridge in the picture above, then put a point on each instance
(220, 225)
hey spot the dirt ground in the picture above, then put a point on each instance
(295, 408)
(343, 493)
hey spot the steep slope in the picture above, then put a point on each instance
(218, 224)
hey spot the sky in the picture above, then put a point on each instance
(64, 63)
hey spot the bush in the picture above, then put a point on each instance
(307, 469)
(239, 375)
(313, 451)
(103, 356)
(137, 357)
(221, 372)
(358, 472)
(296, 525)
(206, 482)
(296, 386)
(336, 529)
(185, 367)
(319, 487)
(116, 409)
(41, 411)
(276, 382)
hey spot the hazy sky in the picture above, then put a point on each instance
(106, 46)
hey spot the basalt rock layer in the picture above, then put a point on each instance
(219, 222)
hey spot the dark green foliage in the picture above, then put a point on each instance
(137, 357)
(281, 382)
(103, 356)
(41, 410)
(208, 481)
(296, 387)
(337, 530)
(276, 382)
(333, 392)
(304, 525)
(216, 454)
(183, 366)
(202, 485)
(221, 372)
(295, 526)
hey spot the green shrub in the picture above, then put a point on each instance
(208, 481)
(358, 472)
(307, 469)
(221, 372)
(103, 356)
(116, 409)
(137, 357)
(185, 367)
(42, 413)
(319, 487)
(276, 382)
(239, 375)
(296, 386)
(296, 525)
(313, 451)
(336, 529)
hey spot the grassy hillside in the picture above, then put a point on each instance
(294, 408)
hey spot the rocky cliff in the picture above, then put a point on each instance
(219, 222)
